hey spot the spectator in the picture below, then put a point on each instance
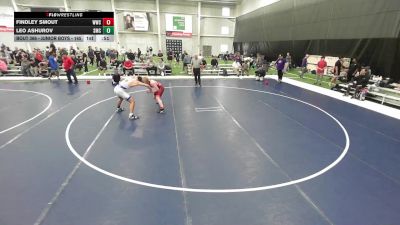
(288, 61)
(72, 51)
(79, 63)
(97, 56)
(37, 60)
(183, 55)
(304, 64)
(3, 66)
(226, 57)
(68, 64)
(259, 60)
(353, 69)
(139, 53)
(103, 66)
(170, 57)
(160, 54)
(186, 61)
(85, 61)
(115, 63)
(321, 66)
(102, 54)
(91, 55)
(237, 67)
(151, 51)
(280, 66)
(161, 67)
(246, 68)
(151, 66)
(54, 69)
(214, 63)
(44, 69)
(196, 63)
(336, 71)
(47, 52)
(261, 72)
(112, 55)
(177, 57)
(26, 65)
(203, 63)
(359, 82)
(53, 48)
(128, 66)
(130, 55)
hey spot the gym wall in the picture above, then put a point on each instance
(210, 27)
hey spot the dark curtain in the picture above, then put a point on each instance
(364, 29)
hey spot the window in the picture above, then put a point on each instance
(224, 30)
(224, 48)
(226, 11)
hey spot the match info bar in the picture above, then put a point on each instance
(64, 26)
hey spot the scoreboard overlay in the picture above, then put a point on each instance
(63, 26)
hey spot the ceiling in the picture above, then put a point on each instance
(217, 2)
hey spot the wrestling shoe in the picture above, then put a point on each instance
(133, 117)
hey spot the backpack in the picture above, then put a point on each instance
(224, 72)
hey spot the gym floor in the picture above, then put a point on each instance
(231, 152)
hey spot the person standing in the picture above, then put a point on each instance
(288, 62)
(54, 70)
(280, 66)
(336, 71)
(91, 55)
(97, 55)
(186, 61)
(304, 64)
(85, 61)
(321, 66)
(196, 64)
(68, 64)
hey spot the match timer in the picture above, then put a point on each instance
(64, 26)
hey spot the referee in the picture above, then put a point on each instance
(196, 63)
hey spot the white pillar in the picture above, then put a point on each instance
(14, 4)
(159, 25)
(16, 9)
(66, 7)
(198, 26)
(116, 34)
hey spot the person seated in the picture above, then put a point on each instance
(161, 67)
(3, 66)
(115, 63)
(214, 63)
(237, 67)
(359, 82)
(203, 64)
(160, 54)
(43, 69)
(170, 57)
(128, 67)
(151, 66)
(246, 68)
(261, 72)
